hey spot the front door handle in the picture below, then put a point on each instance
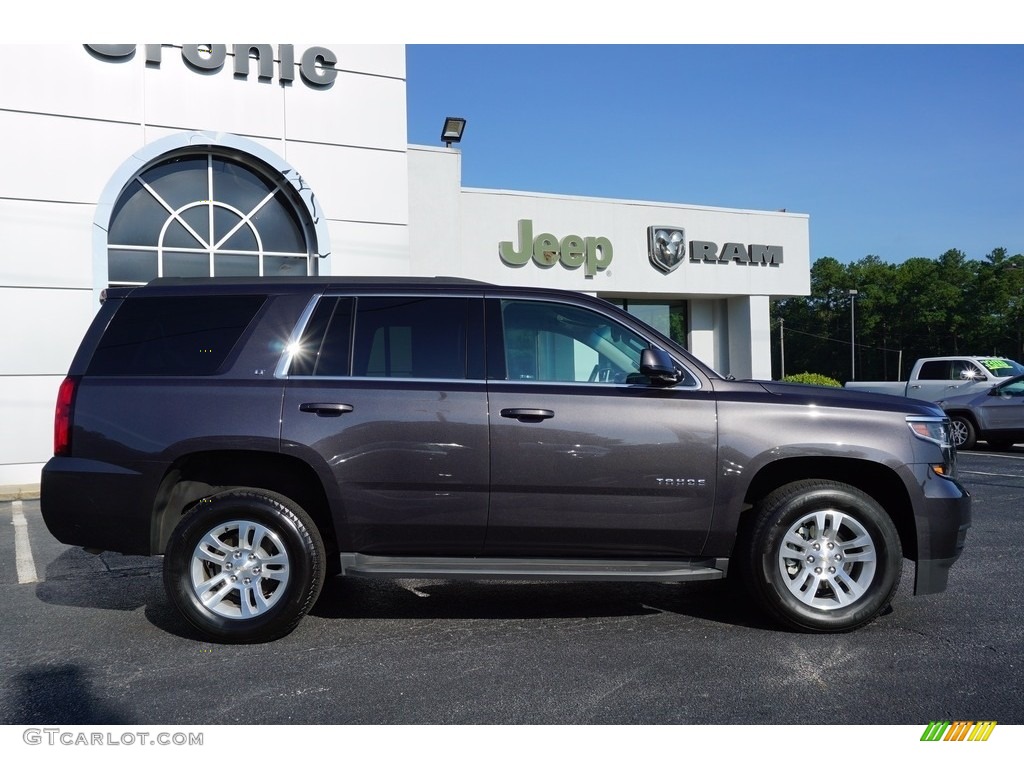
(326, 409)
(527, 414)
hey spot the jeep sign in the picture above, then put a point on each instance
(592, 253)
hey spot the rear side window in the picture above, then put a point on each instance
(934, 370)
(411, 337)
(401, 337)
(173, 335)
(324, 349)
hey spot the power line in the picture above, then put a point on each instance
(844, 342)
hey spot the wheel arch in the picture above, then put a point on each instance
(880, 482)
(198, 475)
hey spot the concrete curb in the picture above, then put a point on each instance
(19, 492)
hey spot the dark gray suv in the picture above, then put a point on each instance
(263, 434)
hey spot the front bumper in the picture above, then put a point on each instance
(942, 518)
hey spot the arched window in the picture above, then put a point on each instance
(208, 214)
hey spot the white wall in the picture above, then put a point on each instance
(435, 193)
(70, 120)
(481, 218)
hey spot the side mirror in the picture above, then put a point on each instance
(658, 366)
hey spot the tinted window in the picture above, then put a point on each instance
(389, 337)
(934, 370)
(173, 335)
(324, 349)
(411, 337)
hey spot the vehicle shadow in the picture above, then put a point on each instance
(109, 581)
(126, 583)
(365, 598)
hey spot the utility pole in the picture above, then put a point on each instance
(853, 338)
(782, 346)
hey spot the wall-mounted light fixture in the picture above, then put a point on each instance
(452, 131)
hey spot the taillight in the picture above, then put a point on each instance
(62, 417)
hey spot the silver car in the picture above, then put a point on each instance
(995, 416)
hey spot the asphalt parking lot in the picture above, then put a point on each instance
(92, 640)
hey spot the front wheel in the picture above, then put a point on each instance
(823, 556)
(244, 566)
(964, 435)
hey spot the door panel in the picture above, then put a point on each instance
(409, 461)
(388, 393)
(615, 471)
(589, 459)
(1004, 410)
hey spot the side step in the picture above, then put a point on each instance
(532, 569)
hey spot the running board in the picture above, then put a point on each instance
(532, 569)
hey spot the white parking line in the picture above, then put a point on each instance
(989, 474)
(22, 547)
(1007, 456)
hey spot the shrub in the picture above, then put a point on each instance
(812, 378)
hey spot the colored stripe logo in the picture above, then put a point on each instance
(959, 730)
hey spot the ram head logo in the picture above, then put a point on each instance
(666, 246)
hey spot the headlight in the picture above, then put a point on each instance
(938, 430)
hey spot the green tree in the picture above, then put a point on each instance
(919, 308)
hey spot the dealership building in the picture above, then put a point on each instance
(123, 163)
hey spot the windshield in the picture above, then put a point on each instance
(1002, 367)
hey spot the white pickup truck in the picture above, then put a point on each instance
(934, 378)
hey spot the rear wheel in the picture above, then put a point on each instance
(823, 556)
(244, 566)
(964, 434)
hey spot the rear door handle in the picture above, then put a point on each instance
(326, 409)
(527, 414)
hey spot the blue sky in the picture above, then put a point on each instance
(893, 150)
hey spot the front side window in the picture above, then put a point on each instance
(1012, 389)
(968, 370)
(669, 317)
(546, 341)
(203, 215)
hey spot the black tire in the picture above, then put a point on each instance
(964, 435)
(244, 566)
(822, 556)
